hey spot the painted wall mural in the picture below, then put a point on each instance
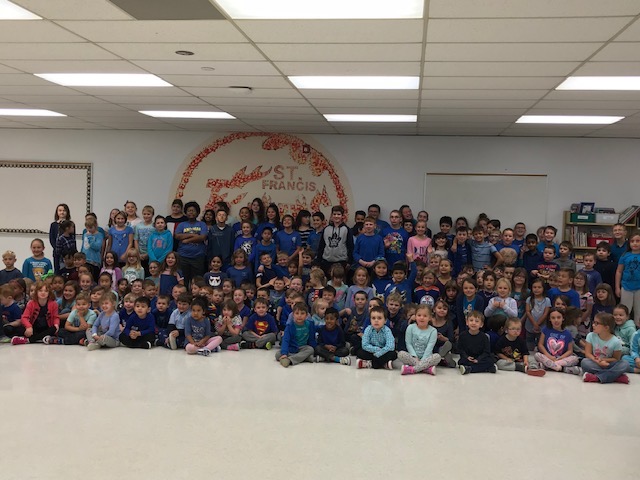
(291, 171)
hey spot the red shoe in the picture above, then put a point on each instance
(622, 379)
(535, 372)
(19, 340)
(590, 378)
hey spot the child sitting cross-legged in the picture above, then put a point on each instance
(420, 339)
(603, 352)
(80, 320)
(474, 347)
(299, 338)
(139, 332)
(512, 351)
(378, 344)
(331, 342)
(106, 328)
(261, 329)
(197, 330)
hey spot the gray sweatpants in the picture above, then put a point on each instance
(305, 353)
(417, 364)
(108, 341)
(509, 366)
(260, 342)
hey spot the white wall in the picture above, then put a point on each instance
(387, 170)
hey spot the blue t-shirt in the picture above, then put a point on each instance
(481, 254)
(556, 342)
(192, 250)
(397, 249)
(631, 272)
(288, 242)
(571, 293)
(245, 244)
(34, 269)
(120, 240)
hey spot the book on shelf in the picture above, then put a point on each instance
(629, 214)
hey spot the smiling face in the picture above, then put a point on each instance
(474, 324)
(423, 317)
(556, 320)
(468, 289)
(37, 247)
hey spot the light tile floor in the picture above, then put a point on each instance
(72, 414)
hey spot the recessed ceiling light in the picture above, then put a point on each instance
(11, 11)
(28, 112)
(370, 118)
(326, 9)
(569, 119)
(356, 83)
(600, 83)
(184, 52)
(104, 79)
(184, 114)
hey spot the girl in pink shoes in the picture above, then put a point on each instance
(40, 321)
(555, 347)
(197, 331)
(420, 338)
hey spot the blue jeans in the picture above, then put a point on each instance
(605, 375)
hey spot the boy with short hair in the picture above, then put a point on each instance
(177, 321)
(368, 247)
(474, 347)
(512, 351)
(265, 245)
(620, 244)
(299, 339)
(261, 329)
(593, 276)
(462, 254)
(604, 265)
(519, 232)
(564, 259)
(399, 281)
(162, 316)
(66, 242)
(10, 272)
(318, 224)
(79, 321)
(331, 343)
(357, 321)
(129, 302)
(378, 344)
(395, 239)
(545, 268)
(507, 241)
(446, 223)
(10, 312)
(265, 272)
(530, 257)
(548, 235)
(564, 282)
(482, 250)
(396, 320)
(139, 332)
(141, 233)
(336, 241)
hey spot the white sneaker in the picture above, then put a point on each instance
(172, 342)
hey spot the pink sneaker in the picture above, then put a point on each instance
(590, 378)
(234, 347)
(622, 379)
(407, 370)
(431, 371)
(19, 340)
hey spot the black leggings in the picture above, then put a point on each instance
(140, 342)
(38, 334)
(377, 362)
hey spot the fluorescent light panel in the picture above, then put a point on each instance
(28, 112)
(600, 83)
(356, 83)
(11, 11)
(326, 9)
(370, 118)
(104, 79)
(185, 114)
(569, 119)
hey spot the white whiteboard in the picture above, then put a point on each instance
(31, 191)
(508, 198)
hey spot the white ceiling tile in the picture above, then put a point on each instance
(342, 52)
(74, 66)
(5, 69)
(502, 69)
(332, 31)
(427, 103)
(44, 100)
(261, 122)
(467, 112)
(139, 126)
(370, 110)
(255, 93)
(36, 90)
(53, 51)
(189, 31)
(609, 105)
(495, 83)
(608, 69)
(35, 31)
(593, 95)
(527, 8)
(132, 91)
(196, 104)
(280, 109)
(156, 100)
(361, 94)
(21, 79)
(631, 34)
(322, 103)
(254, 81)
(249, 101)
(630, 120)
(318, 129)
(167, 51)
(483, 94)
(194, 67)
(613, 134)
(517, 52)
(619, 52)
(525, 30)
(349, 68)
(74, 9)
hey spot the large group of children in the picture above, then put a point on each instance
(498, 297)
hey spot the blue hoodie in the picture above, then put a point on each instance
(289, 342)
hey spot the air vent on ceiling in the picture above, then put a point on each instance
(170, 9)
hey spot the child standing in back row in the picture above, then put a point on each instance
(628, 278)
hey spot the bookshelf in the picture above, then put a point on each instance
(586, 235)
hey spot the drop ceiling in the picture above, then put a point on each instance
(482, 65)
